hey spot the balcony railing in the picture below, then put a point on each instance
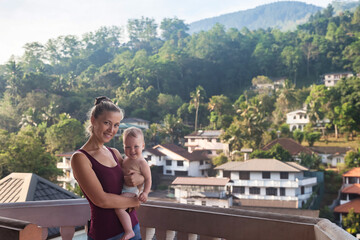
(63, 165)
(275, 183)
(167, 220)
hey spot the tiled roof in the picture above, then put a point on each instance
(298, 166)
(345, 208)
(297, 112)
(353, 189)
(331, 150)
(203, 181)
(288, 144)
(22, 187)
(355, 172)
(259, 165)
(204, 134)
(131, 120)
(196, 155)
(154, 152)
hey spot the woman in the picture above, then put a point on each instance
(97, 169)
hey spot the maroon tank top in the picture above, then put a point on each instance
(104, 222)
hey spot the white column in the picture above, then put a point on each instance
(67, 233)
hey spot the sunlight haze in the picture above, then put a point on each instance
(25, 21)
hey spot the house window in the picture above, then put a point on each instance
(201, 162)
(255, 190)
(282, 191)
(226, 174)
(191, 202)
(244, 175)
(266, 175)
(168, 162)
(192, 140)
(218, 140)
(271, 191)
(168, 171)
(338, 160)
(284, 175)
(305, 116)
(294, 117)
(209, 140)
(148, 158)
(301, 116)
(203, 203)
(180, 163)
(240, 190)
(302, 190)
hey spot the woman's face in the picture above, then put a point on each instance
(106, 125)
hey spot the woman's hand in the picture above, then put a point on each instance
(133, 179)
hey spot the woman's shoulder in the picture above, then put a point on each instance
(117, 153)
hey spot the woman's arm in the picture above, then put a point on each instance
(91, 186)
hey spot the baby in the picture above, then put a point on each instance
(134, 143)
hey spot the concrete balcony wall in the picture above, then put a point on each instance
(167, 220)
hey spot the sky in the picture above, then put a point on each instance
(25, 21)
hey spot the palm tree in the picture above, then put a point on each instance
(196, 97)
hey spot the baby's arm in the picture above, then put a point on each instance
(146, 172)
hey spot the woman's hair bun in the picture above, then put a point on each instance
(98, 100)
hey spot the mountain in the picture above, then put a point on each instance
(284, 15)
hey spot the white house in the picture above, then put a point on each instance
(206, 140)
(176, 161)
(138, 122)
(331, 155)
(65, 166)
(297, 119)
(268, 183)
(330, 79)
(208, 191)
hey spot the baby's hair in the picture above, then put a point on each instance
(133, 132)
(101, 105)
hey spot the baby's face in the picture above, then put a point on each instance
(133, 147)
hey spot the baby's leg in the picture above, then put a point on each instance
(125, 220)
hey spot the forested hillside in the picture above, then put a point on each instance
(169, 79)
(283, 15)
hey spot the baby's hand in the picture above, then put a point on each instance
(143, 197)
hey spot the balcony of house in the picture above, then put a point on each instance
(30, 220)
(64, 179)
(191, 144)
(64, 165)
(265, 197)
(275, 183)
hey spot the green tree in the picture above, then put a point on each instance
(173, 29)
(312, 137)
(310, 161)
(351, 222)
(298, 135)
(66, 135)
(352, 159)
(219, 160)
(276, 152)
(26, 153)
(221, 110)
